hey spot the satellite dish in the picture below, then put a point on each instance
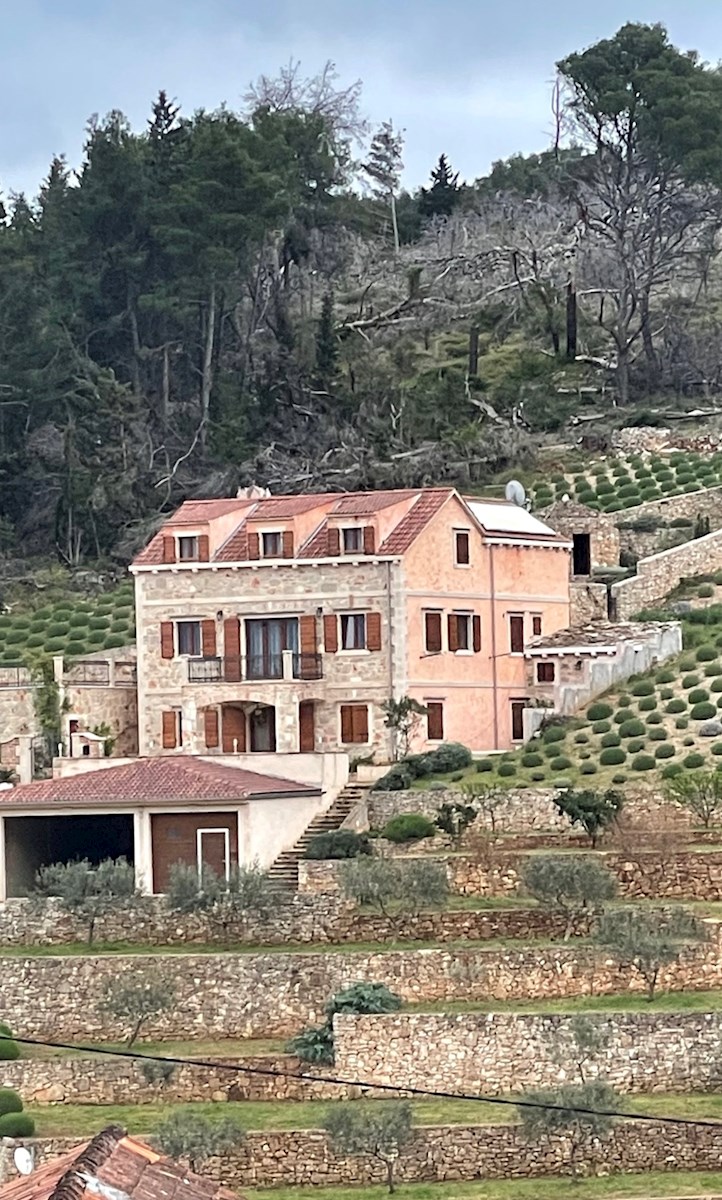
(515, 493)
(24, 1160)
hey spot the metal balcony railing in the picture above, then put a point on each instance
(288, 664)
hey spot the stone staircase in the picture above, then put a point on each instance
(284, 871)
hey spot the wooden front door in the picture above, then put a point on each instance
(175, 838)
(306, 727)
(233, 730)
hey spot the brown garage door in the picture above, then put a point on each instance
(177, 837)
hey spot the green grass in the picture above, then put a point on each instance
(710, 1001)
(190, 1048)
(80, 1120)
(609, 1187)
(73, 628)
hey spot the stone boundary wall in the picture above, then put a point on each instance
(273, 995)
(682, 876)
(659, 574)
(439, 1152)
(502, 1053)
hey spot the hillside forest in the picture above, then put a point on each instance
(234, 297)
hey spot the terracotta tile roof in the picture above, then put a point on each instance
(182, 779)
(408, 529)
(290, 506)
(364, 504)
(195, 512)
(605, 634)
(235, 548)
(114, 1160)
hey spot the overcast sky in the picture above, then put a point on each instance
(468, 77)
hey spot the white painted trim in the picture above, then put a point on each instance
(563, 651)
(226, 848)
(256, 563)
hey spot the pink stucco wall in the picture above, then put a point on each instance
(502, 579)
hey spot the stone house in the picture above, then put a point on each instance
(281, 625)
(154, 812)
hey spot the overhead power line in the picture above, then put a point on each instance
(432, 1093)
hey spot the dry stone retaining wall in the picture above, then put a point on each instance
(659, 574)
(273, 995)
(507, 1052)
(446, 1153)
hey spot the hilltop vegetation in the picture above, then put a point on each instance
(72, 627)
(239, 296)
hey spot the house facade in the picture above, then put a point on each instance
(281, 625)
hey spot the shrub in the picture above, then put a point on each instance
(532, 759)
(610, 739)
(658, 734)
(693, 761)
(647, 703)
(654, 718)
(665, 750)
(612, 756)
(717, 748)
(665, 676)
(581, 738)
(338, 843)
(706, 653)
(505, 770)
(624, 700)
(690, 681)
(601, 727)
(538, 776)
(666, 694)
(631, 728)
(585, 754)
(677, 705)
(703, 712)
(407, 827)
(588, 768)
(716, 684)
(599, 711)
(449, 756)
(688, 741)
(643, 687)
(17, 1125)
(705, 591)
(717, 577)
(398, 779)
(9, 1050)
(555, 733)
(635, 745)
(484, 765)
(687, 663)
(643, 762)
(10, 1102)
(672, 770)
(697, 695)
(712, 669)
(622, 715)
(560, 764)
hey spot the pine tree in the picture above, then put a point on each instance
(442, 197)
(326, 342)
(384, 166)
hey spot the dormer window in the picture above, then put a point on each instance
(188, 549)
(352, 540)
(272, 544)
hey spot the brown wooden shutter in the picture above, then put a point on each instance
(462, 547)
(432, 622)
(211, 727)
(516, 634)
(234, 730)
(170, 725)
(346, 722)
(330, 633)
(254, 546)
(166, 639)
(208, 639)
(435, 721)
(333, 542)
(453, 626)
(204, 548)
(360, 723)
(168, 549)
(373, 631)
(306, 729)
(288, 543)
(307, 634)
(369, 539)
(232, 650)
(476, 621)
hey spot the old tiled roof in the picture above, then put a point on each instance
(570, 510)
(600, 635)
(408, 529)
(113, 1160)
(180, 778)
(364, 504)
(195, 512)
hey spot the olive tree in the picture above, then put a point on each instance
(196, 1138)
(594, 811)
(227, 903)
(86, 891)
(580, 1040)
(371, 1131)
(579, 1112)
(572, 884)
(396, 889)
(700, 792)
(315, 1044)
(135, 1000)
(648, 939)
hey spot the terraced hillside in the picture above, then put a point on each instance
(614, 484)
(72, 627)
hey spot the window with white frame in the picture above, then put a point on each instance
(353, 631)
(463, 631)
(352, 539)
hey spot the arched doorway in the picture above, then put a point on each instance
(262, 729)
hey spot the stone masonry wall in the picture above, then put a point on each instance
(499, 1053)
(438, 1153)
(588, 602)
(272, 995)
(524, 809)
(659, 574)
